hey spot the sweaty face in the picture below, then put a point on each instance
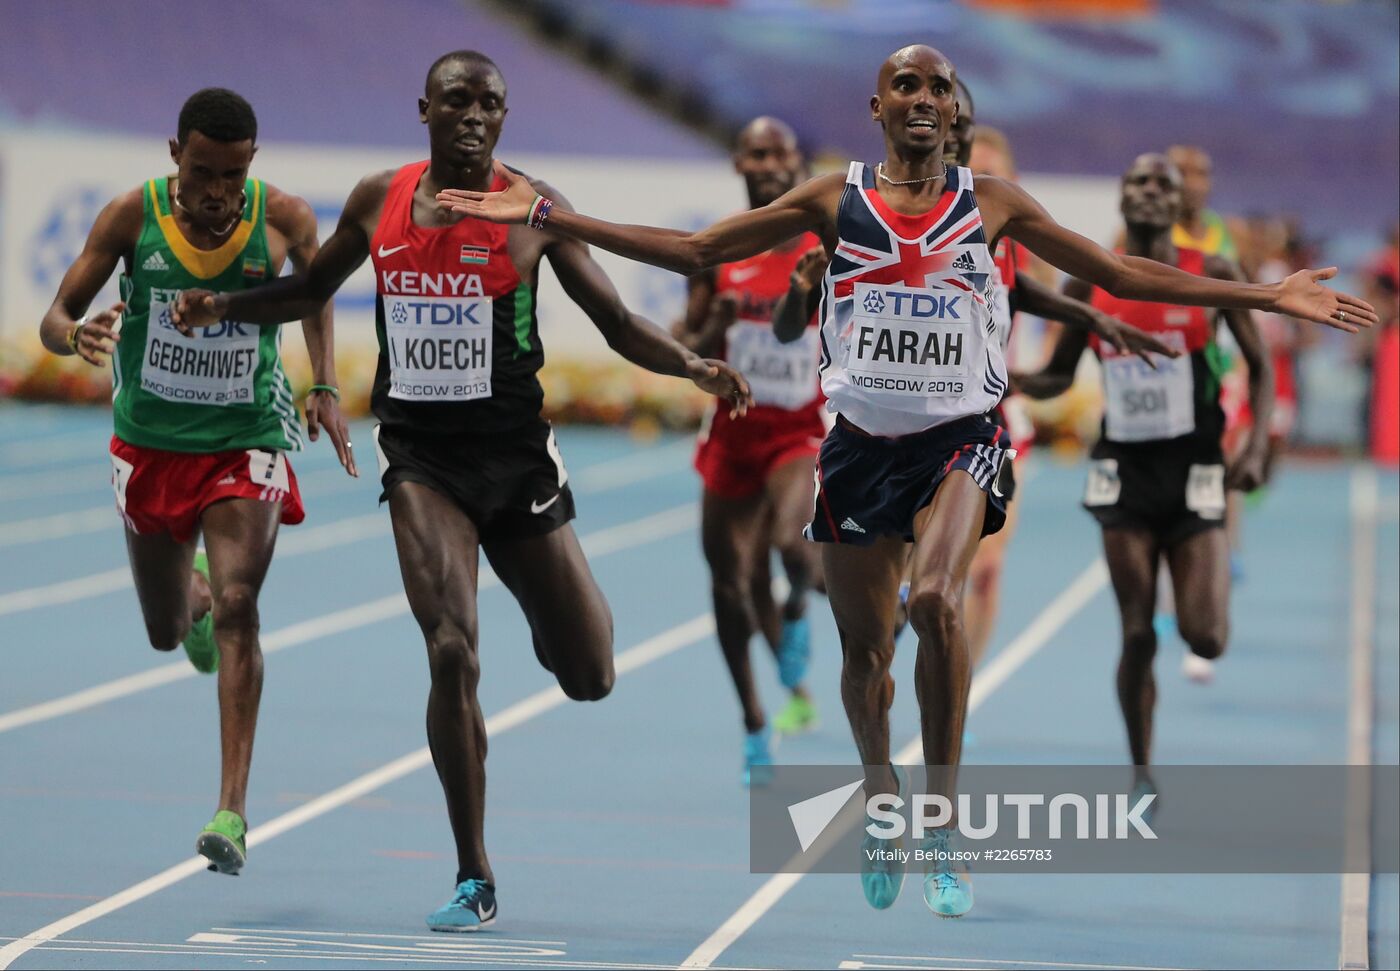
(1195, 167)
(212, 175)
(770, 164)
(464, 111)
(916, 101)
(1151, 193)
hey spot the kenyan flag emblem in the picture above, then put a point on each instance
(475, 254)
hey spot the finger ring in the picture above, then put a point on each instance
(349, 444)
(1341, 315)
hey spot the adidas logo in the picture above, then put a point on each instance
(155, 262)
(852, 526)
(965, 262)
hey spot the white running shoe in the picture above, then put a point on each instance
(1198, 669)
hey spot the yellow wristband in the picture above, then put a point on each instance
(74, 334)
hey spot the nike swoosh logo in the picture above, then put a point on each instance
(383, 252)
(486, 915)
(539, 507)
(739, 276)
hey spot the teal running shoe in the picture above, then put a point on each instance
(882, 861)
(1145, 787)
(472, 908)
(224, 843)
(794, 652)
(947, 884)
(758, 760)
(1164, 626)
(200, 645)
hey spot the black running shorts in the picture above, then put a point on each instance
(510, 485)
(1172, 488)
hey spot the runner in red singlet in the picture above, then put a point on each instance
(1158, 475)
(466, 461)
(757, 470)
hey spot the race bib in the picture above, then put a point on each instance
(781, 375)
(268, 469)
(439, 347)
(911, 342)
(213, 366)
(1142, 404)
(1205, 491)
(121, 475)
(1103, 486)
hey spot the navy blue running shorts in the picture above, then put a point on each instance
(869, 486)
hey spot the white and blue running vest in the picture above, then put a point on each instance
(909, 338)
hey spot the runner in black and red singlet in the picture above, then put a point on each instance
(1158, 477)
(911, 364)
(466, 461)
(757, 470)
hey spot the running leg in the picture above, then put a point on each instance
(1132, 556)
(171, 594)
(437, 546)
(1200, 567)
(728, 531)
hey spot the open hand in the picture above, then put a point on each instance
(509, 205)
(322, 410)
(722, 381)
(98, 335)
(1127, 339)
(810, 267)
(1302, 296)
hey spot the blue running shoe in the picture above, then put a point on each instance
(758, 760)
(947, 884)
(1236, 568)
(1164, 626)
(794, 652)
(472, 907)
(882, 862)
(901, 621)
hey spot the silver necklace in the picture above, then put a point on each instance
(237, 217)
(880, 171)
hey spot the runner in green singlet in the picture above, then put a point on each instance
(202, 423)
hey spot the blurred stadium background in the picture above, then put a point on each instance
(628, 106)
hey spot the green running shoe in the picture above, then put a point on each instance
(224, 843)
(200, 646)
(798, 715)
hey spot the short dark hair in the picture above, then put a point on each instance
(466, 56)
(220, 114)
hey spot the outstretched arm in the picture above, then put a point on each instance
(303, 294)
(1056, 377)
(736, 237)
(1246, 471)
(112, 236)
(634, 337)
(1036, 298)
(1008, 209)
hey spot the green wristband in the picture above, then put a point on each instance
(330, 389)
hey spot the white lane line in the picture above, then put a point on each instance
(652, 649)
(941, 962)
(1353, 953)
(638, 532)
(51, 450)
(991, 677)
(40, 529)
(638, 466)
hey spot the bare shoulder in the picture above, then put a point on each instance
(991, 188)
(118, 225)
(289, 214)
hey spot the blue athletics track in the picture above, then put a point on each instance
(619, 830)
